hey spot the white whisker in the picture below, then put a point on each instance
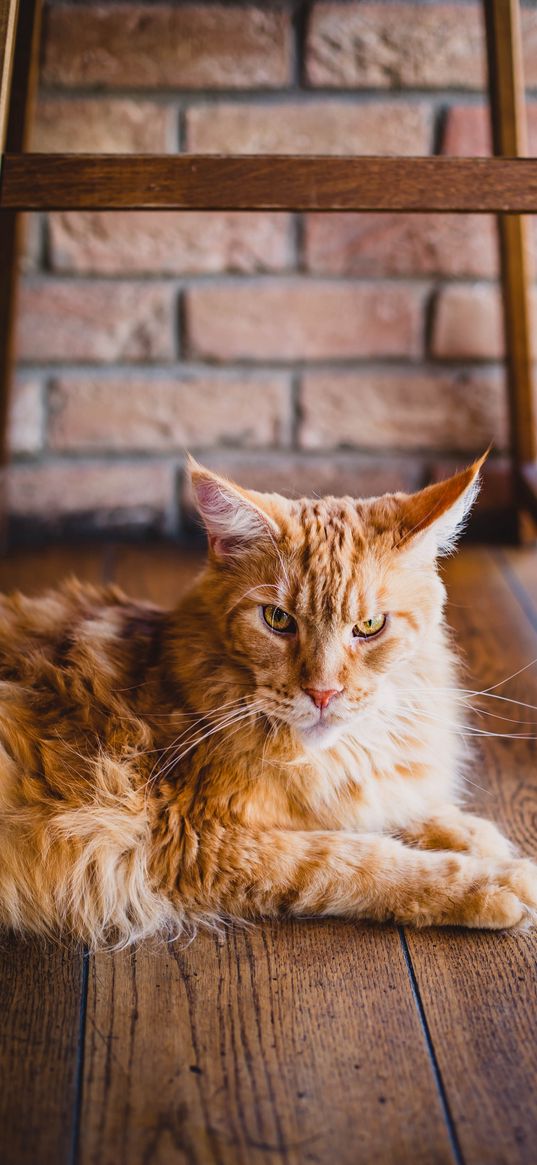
(465, 693)
(177, 757)
(210, 715)
(471, 730)
(482, 788)
(496, 715)
(511, 677)
(259, 587)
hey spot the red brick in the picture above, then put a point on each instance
(109, 494)
(95, 321)
(184, 46)
(400, 244)
(298, 475)
(87, 125)
(303, 319)
(467, 131)
(310, 127)
(467, 323)
(529, 46)
(90, 412)
(390, 46)
(168, 243)
(26, 416)
(406, 409)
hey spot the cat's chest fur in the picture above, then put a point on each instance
(354, 786)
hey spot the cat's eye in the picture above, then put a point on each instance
(278, 620)
(367, 628)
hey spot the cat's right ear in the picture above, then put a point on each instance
(432, 519)
(232, 517)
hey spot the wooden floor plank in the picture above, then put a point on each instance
(284, 1043)
(479, 991)
(42, 984)
(41, 989)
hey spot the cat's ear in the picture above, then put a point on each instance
(433, 518)
(233, 518)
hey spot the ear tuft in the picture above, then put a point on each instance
(232, 519)
(437, 514)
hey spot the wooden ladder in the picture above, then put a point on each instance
(505, 185)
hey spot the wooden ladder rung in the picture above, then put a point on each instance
(261, 182)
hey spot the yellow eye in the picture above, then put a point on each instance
(367, 628)
(279, 620)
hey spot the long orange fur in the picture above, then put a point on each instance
(165, 769)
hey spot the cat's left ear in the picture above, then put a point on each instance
(433, 518)
(234, 518)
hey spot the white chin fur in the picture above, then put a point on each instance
(321, 735)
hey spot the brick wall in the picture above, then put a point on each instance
(313, 352)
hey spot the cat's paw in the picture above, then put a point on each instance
(502, 896)
(484, 840)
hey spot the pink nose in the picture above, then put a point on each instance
(321, 699)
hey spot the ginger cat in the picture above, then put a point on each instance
(283, 742)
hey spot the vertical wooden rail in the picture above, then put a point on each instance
(8, 28)
(9, 11)
(508, 117)
(18, 86)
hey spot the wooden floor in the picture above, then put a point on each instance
(322, 1042)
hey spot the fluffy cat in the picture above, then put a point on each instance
(283, 742)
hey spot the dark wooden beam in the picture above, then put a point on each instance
(208, 182)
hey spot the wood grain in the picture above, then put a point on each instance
(290, 1042)
(198, 182)
(41, 988)
(25, 76)
(8, 28)
(509, 134)
(479, 991)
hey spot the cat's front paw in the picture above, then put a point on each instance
(484, 840)
(503, 896)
